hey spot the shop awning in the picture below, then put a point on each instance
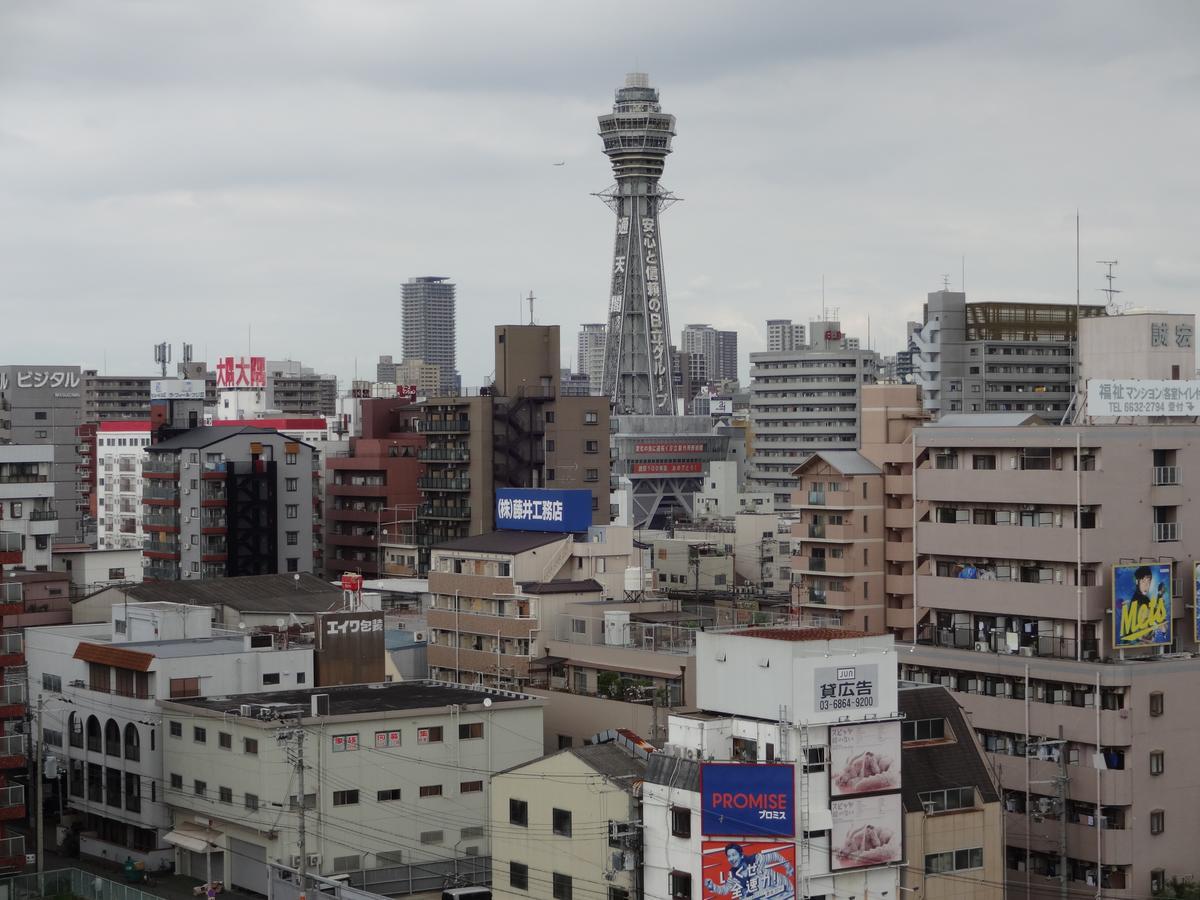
(547, 662)
(198, 840)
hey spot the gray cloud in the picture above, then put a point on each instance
(177, 170)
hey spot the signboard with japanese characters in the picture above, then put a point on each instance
(1142, 397)
(177, 389)
(846, 688)
(343, 743)
(241, 372)
(407, 392)
(666, 468)
(660, 354)
(349, 647)
(543, 509)
(36, 379)
(384, 739)
(1162, 335)
(668, 448)
(747, 799)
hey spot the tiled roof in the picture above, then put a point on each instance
(586, 586)
(118, 657)
(935, 766)
(502, 542)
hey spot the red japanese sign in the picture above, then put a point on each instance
(242, 372)
(667, 468)
(407, 392)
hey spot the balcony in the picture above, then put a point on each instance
(1048, 543)
(12, 649)
(1011, 598)
(12, 802)
(211, 523)
(1166, 475)
(213, 570)
(816, 498)
(12, 852)
(213, 470)
(12, 701)
(447, 426)
(357, 490)
(161, 494)
(161, 572)
(11, 602)
(214, 550)
(1166, 532)
(436, 455)
(12, 751)
(444, 484)
(157, 467)
(213, 494)
(457, 513)
(161, 549)
(161, 518)
(816, 596)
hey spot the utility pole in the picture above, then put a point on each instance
(41, 756)
(300, 827)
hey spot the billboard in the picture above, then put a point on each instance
(846, 687)
(1141, 605)
(407, 392)
(669, 448)
(864, 758)
(867, 831)
(349, 648)
(666, 468)
(543, 509)
(748, 870)
(747, 799)
(721, 406)
(177, 389)
(1142, 397)
(241, 372)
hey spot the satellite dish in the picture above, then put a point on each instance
(487, 702)
(279, 623)
(242, 626)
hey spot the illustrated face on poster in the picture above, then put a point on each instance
(1142, 605)
(867, 831)
(748, 870)
(864, 759)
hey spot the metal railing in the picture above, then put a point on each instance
(12, 745)
(162, 572)
(62, 882)
(816, 498)
(14, 848)
(430, 454)
(447, 425)
(10, 592)
(217, 520)
(161, 518)
(213, 466)
(1166, 475)
(158, 466)
(444, 484)
(632, 635)
(11, 694)
(212, 570)
(817, 596)
(43, 515)
(1166, 531)
(11, 643)
(213, 490)
(12, 795)
(161, 546)
(11, 542)
(160, 492)
(429, 511)
(214, 546)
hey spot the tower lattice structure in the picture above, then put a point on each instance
(638, 368)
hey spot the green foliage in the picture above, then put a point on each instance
(1179, 890)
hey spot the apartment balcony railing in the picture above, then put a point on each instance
(214, 548)
(43, 515)
(1166, 475)
(429, 511)
(156, 466)
(219, 520)
(636, 635)
(161, 519)
(212, 570)
(1165, 532)
(447, 426)
(162, 572)
(161, 547)
(12, 694)
(817, 596)
(11, 542)
(444, 484)
(816, 564)
(12, 745)
(11, 643)
(816, 498)
(816, 531)
(160, 492)
(433, 454)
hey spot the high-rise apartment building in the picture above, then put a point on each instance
(637, 365)
(590, 354)
(27, 513)
(426, 376)
(430, 332)
(783, 334)
(802, 401)
(726, 368)
(718, 349)
(1000, 356)
(296, 390)
(385, 370)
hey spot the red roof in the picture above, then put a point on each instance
(125, 425)
(114, 656)
(304, 424)
(803, 634)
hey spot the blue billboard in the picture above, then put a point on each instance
(747, 800)
(1142, 605)
(543, 509)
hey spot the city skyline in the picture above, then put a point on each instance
(235, 202)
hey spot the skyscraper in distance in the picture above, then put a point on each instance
(638, 361)
(590, 354)
(783, 334)
(727, 356)
(429, 325)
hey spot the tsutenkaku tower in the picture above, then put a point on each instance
(638, 366)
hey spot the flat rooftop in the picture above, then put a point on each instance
(802, 634)
(356, 699)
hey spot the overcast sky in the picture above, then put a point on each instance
(191, 170)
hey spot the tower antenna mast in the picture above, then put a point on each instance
(1110, 292)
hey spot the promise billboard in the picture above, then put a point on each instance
(747, 799)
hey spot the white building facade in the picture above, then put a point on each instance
(27, 511)
(120, 450)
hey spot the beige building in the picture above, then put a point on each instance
(567, 824)
(426, 376)
(953, 825)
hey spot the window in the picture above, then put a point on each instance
(948, 799)
(550, 417)
(291, 484)
(346, 863)
(562, 886)
(387, 796)
(1156, 703)
(345, 798)
(617, 893)
(175, 729)
(250, 745)
(923, 730)
(310, 801)
(432, 837)
(52, 682)
(176, 781)
(252, 801)
(681, 885)
(200, 735)
(289, 459)
(1157, 762)
(292, 510)
(591, 417)
(470, 787)
(591, 446)
(224, 740)
(518, 813)
(39, 416)
(518, 876)
(983, 461)
(470, 730)
(430, 735)
(561, 822)
(954, 861)
(185, 687)
(681, 822)
(270, 678)
(431, 790)
(199, 788)
(565, 742)
(1158, 880)
(1157, 821)
(591, 475)
(293, 538)
(52, 738)
(225, 795)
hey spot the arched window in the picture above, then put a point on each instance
(133, 743)
(93, 734)
(75, 729)
(112, 738)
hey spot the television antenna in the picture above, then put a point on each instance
(162, 356)
(1110, 291)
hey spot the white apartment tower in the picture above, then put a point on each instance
(590, 353)
(783, 334)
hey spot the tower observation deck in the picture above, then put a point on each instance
(638, 376)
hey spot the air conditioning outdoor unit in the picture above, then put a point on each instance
(246, 710)
(294, 860)
(314, 859)
(981, 646)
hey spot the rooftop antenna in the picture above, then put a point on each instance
(946, 282)
(1110, 291)
(187, 353)
(162, 356)
(963, 280)
(531, 299)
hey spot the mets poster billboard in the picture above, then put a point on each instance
(1141, 605)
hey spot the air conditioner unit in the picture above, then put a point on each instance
(246, 710)
(78, 682)
(982, 646)
(294, 860)
(314, 859)
(187, 491)
(1027, 651)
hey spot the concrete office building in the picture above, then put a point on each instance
(589, 354)
(953, 817)
(428, 319)
(996, 356)
(638, 364)
(426, 376)
(1040, 515)
(100, 684)
(758, 697)
(28, 516)
(108, 397)
(43, 405)
(296, 390)
(717, 348)
(802, 401)
(385, 795)
(385, 370)
(518, 432)
(224, 501)
(784, 335)
(559, 842)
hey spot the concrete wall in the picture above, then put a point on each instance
(957, 830)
